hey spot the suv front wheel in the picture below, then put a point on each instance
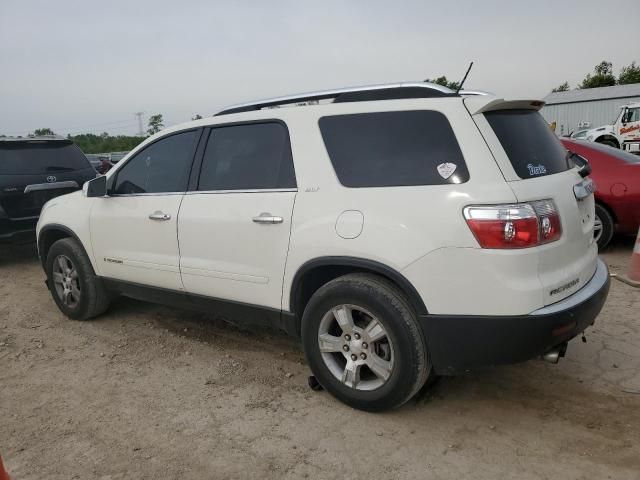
(74, 286)
(363, 343)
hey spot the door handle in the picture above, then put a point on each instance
(265, 217)
(158, 215)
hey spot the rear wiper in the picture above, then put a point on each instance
(584, 168)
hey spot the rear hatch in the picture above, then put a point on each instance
(33, 172)
(537, 167)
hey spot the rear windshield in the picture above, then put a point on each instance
(39, 158)
(388, 149)
(533, 149)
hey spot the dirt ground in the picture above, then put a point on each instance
(149, 392)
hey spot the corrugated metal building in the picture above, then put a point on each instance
(578, 109)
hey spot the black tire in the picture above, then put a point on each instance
(609, 143)
(410, 365)
(606, 220)
(94, 298)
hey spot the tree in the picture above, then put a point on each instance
(603, 76)
(91, 143)
(196, 117)
(563, 87)
(630, 74)
(43, 131)
(444, 82)
(155, 124)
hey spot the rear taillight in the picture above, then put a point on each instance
(548, 219)
(519, 225)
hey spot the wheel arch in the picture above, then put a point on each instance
(314, 273)
(49, 234)
(609, 138)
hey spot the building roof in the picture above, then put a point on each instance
(593, 94)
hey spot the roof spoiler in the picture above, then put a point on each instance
(480, 104)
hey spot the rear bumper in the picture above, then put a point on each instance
(461, 343)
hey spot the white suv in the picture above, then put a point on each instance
(403, 231)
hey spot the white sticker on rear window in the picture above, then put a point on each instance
(446, 169)
(536, 169)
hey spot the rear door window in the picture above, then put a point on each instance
(385, 149)
(31, 158)
(248, 157)
(533, 149)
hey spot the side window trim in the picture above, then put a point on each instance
(194, 179)
(114, 179)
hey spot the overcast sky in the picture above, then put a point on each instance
(87, 66)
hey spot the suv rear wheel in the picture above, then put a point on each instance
(363, 343)
(74, 286)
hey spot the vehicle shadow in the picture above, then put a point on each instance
(207, 327)
(620, 243)
(18, 254)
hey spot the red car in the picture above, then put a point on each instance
(617, 178)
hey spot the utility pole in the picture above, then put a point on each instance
(139, 115)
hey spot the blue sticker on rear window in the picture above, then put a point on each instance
(536, 169)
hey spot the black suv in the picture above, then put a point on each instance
(34, 170)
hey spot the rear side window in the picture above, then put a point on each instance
(40, 158)
(247, 157)
(161, 167)
(533, 149)
(386, 149)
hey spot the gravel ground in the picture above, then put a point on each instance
(152, 392)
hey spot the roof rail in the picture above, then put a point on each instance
(389, 91)
(473, 92)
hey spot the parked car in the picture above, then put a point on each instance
(580, 134)
(34, 170)
(94, 160)
(617, 177)
(100, 162)
(402, 231)
(115, 157)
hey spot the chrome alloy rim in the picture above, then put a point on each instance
(356, 347)
(597, 228)
(65, 281)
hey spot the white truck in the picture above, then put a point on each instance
(624, 133)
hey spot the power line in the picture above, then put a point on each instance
(129, 125)
(77, 128)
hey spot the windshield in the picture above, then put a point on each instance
(532, 148)
(580, 134)
(30, 158)
(615, 120)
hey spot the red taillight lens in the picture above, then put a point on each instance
(514, 226)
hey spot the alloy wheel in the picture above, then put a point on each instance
(356, 347)
(66, 281)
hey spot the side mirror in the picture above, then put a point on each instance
(96, 187)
